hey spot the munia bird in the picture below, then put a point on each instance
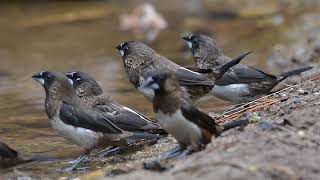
(240, 83)
(91, 94)
(140, 61)
(77, 122)
(175, 112)
(10, 157)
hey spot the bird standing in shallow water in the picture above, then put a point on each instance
(241, 83)
(76, 121)
(192, 128)
(140, 61)
(10, 157)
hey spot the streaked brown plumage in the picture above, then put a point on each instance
(140, 61)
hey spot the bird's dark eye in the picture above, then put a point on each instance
(125, 49)
(195, 42)
(155, 78)
(48, 77)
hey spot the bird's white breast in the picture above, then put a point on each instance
(185, 131)
(85, 138)
(148, 93)
(233, 92)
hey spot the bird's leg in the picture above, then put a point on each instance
(76, 163)
(109, 151)
(76, 160)
(158, 165)
(172, 153)
(185, 153)
(102, 151)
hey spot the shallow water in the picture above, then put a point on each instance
(38, 37)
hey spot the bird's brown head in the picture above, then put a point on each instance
(203, 48)
(162, 84)
(84, 84)
(135, 53)
(56, 85)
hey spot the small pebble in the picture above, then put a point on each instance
(265, 125)
(316, 93)
(301, 133)
(297, 100)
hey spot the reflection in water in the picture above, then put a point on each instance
(36, 37)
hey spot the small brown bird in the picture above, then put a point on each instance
(91, 94)
(192, 128)
(76, 121)
(241, 83)
(140, 61)
(10, 157)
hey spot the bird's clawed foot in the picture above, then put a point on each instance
(76, 163)
(172, 153)
(158, 165)
(108, 151)
(185, 153)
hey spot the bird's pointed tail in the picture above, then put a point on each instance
(233, 62)
(142, 136)
(42, 158)
(298, 71)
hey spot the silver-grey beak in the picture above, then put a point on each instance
(70, 76)
(38, 77)
(189, 44)
(187, 39)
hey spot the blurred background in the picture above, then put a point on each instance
(82, 35)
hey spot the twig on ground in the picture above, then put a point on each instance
(258, 104)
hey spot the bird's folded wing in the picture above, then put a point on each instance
(193, 114)
(185, 76)
(123, 117)
(226, 65)
(88, 119)
(106, 104)
(199, 70)
(238, 75)
(130, 120)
